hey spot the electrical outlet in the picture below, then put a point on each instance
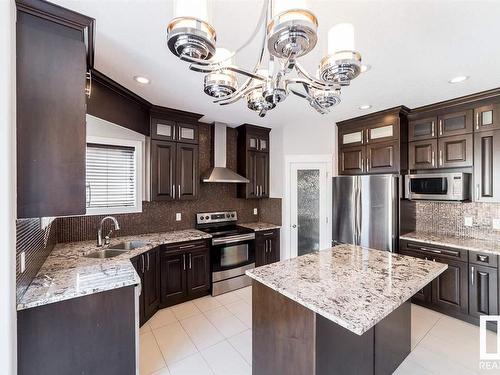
(496, 224)
(178, 216)
(255, 212)
(22, 262)
(468, 221)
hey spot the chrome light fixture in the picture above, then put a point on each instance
(289, 31)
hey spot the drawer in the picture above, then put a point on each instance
(432, 251)
(484, 259)
(267, 233)
(186, 246)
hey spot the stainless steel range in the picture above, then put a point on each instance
(232, 252)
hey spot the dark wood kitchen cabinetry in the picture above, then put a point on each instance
(375, 143)
(147, 266)
(487, 117)
(253, 161)
(51, 108)
(487, 166)
(267, 247)
(185, 272)
(467, 289)
(174, 154)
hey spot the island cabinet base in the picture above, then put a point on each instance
(290, 339)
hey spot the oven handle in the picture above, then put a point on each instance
(233, 239)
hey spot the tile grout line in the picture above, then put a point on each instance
(158, 346)
(424, 336)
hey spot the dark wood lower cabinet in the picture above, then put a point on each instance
(449, 290)
(147, 266)
(185, 272)
(267, 247)
(483, 290)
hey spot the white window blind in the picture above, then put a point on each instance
(111, 176)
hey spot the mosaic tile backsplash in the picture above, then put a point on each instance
(448, 218)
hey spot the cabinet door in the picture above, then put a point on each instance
(455, 123)
(260, 250)
(449, 290)
(487, 117)
(187, 178)
(455, 151)
(173, 278)
(483, 290)
(352, 160)
(138, 263)
(198, 273)
(421, 129)
(252, 142)
(262, 175)
(382, 157)
(263, 144)
(163, 170)
(163, 130)
(151, 282)
(187, 133)
(422, 154)
(487, 166)
(351, 138)
(50, 124)
(273, 247)
(382, 133)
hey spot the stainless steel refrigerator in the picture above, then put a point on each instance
(366, 211)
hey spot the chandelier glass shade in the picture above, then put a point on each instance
(289, 31)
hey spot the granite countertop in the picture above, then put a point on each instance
(473, 244)
(259, 226)
(352, 286)
(68, 274)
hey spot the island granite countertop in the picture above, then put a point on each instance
(67, 273)
(259, 226)
(473, 244)
(352, 286)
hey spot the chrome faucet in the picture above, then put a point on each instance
(99, 231)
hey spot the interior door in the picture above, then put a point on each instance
(308, 208)
(378, 212)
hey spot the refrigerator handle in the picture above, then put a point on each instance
(358, 213)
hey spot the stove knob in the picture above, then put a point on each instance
(201, 217)
(206, 217)
(228, 216)
(232, 215)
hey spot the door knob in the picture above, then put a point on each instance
(294, 226)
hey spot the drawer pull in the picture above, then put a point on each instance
(268, 234)
(187, 246)
(482, 258)
(472, 275)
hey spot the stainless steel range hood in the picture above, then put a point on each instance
(220, 173)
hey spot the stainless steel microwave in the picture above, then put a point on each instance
(438, 186)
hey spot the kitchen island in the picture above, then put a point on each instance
(343, 310)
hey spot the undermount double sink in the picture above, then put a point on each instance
(117, 249)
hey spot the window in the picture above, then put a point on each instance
(112, 178)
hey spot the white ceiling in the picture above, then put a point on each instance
(414, 48)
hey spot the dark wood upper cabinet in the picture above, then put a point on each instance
(487, 117)
(187, 133)
(51, 109)
(375, 143)
(455, 123)
(487, 166)
(422, 154)
(352, 160)
(421, 129)
(483, 290)
(163, 129)
(163, 170)
(187, 171)
(253, 161)
(455, 151)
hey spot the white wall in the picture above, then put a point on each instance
(7, 189)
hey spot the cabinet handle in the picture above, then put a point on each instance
(440, 127)
(270, 246)
(362, 164)
(190, 260)
(433, 125)
(482, 258)
(88, 88)
(187, 246)
(179, 191)
(367, 135)
(184, 261)
(441, 157)
(433, 160)
(265, 246)
(477, 192)
(173, 191)
(368, 164)
(477, 120)
(472, 275)
(142, 262)
(268, 234)
(148, 261)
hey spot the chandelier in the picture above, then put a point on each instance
(289, 32)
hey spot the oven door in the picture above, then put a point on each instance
(229, 256)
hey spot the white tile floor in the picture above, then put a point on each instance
(213, 335)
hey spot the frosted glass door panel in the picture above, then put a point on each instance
(308, 198)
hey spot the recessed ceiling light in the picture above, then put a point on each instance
(143, 80)
(365, 68)
(458, 79)
(365, 106)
